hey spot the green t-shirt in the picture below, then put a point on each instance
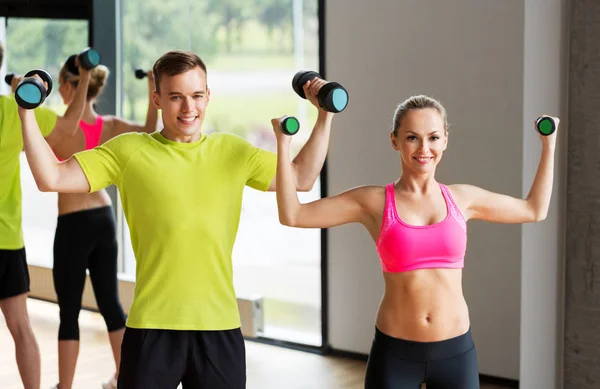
(11, 145)
(182, 202)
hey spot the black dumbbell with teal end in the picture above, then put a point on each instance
(88, 59)
(31, 92)
(332, 96)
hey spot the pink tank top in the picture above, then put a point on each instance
(92, 133)
(404, 247)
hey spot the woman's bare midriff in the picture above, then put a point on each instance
(423, 305)
(73, 202)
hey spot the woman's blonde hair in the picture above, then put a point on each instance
(97, 80)
(414, 103)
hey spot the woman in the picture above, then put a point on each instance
(422, 332)
(85, 236)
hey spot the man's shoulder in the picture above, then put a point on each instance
(228, 141)
(130, 138)
(225, 137)
(127, 143)
(7, 101)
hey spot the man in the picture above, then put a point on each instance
(182, 195)
(14, 274)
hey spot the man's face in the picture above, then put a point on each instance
(183, 99)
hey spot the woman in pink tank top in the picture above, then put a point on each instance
(422, 333)
(85, 237)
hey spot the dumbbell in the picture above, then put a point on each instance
(8, 78)
(332, 96)
(31, 92)
(545, 125)
(140, 74)
(290, 125)
(88, 59)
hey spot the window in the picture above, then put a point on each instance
(46, 44)
(252, 51)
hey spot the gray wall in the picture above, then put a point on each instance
(542, 267)
(582, 305)
(470, 54)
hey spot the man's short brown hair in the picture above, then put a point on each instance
(173, 63)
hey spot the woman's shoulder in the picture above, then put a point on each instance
(462, 194)
(461, 189)
(371, 197)
(368, 190)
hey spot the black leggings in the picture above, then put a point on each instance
(402, 364)
(86, 240)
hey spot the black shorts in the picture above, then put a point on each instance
(161, 359)
(14, 274)
(403, 364)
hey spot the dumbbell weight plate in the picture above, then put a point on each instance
(139, 74)
(44, 75)
(8, 78)
(90, 58)
(290, 125)
(29, 94)
(300, 79)
(545, 125)
(333, 97)
(70, 64)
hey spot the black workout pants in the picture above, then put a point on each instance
(401, 364)
(86, 240)
(161, 359)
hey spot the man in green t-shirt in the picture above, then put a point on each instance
(14, 274)
(181, 191)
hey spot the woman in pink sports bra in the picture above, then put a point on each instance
(85, 236)
(422, 333)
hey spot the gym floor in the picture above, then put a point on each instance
(268, 367)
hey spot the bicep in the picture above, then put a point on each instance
(497, 207)
(71, 178)
(93, 169)
(273, 185)
(346, 207)
(261, 170)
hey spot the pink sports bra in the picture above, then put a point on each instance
(404, 247)
(92, 133)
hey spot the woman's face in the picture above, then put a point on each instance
(421, 140)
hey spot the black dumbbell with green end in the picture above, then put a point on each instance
(332, 96)
(545, 125)
(31, 92)
(88, 59)
(290, 125)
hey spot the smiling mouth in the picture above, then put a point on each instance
(423, 159)
(187, 120)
